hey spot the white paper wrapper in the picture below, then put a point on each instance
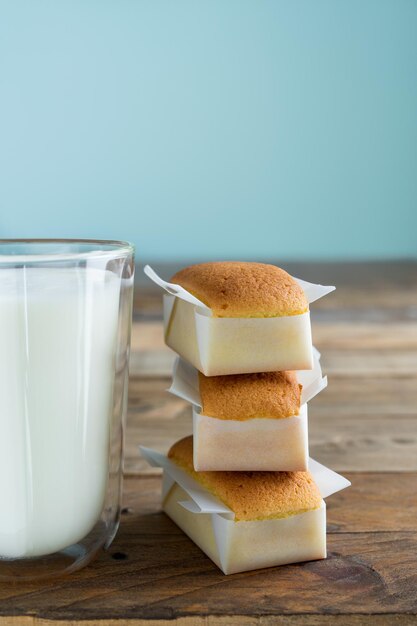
(218, 346)
(258, 444)
(185, 381)
(269, 445)
(240, 546)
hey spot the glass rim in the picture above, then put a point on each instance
(117, 249)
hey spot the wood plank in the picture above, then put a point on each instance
(351, 336)
(347, 350)
(346, 394)
(368, 275)
(376, 291)
(361, 443)
(386, 363)
(164, 576)
(388, 619)
(365, 420)
(332, 334)
(356, 509)
(354, 425)
(367, 396)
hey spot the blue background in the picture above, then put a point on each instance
(229, 128)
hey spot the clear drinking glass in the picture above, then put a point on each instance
(65, 320)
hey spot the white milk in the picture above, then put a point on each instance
(58, 330)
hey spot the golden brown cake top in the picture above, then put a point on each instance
(253, 495)
(239, 289)
(246, 396)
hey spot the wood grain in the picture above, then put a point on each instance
(364, 424)
(371, 568)
(346, 350)
(356, 424)
(330, 335)
(227, 620)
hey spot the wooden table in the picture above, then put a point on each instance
(364, 425)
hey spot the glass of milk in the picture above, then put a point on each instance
(65, 319)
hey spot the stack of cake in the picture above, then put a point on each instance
(242, 487)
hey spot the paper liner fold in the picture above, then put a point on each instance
(185, 381)
(204, 501)
(236, 345)
(173, 289)
(327, 481)
(240, 546)
(312, 291)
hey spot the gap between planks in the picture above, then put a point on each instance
(340, 619)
